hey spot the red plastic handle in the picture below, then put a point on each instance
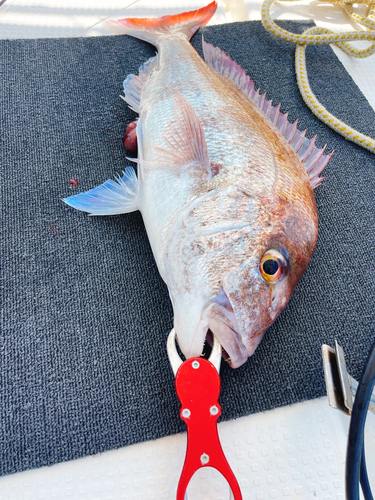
(198, 389)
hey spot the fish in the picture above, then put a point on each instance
(224, 184)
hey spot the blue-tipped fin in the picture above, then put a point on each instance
(110, 198)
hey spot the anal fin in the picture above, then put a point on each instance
(110, 198)
(133, 84)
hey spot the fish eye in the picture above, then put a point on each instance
(273, 266)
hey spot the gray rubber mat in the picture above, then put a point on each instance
(85, 314)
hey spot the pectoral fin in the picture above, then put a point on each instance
(186, 147)
(110, 198)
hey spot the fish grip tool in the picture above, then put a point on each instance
(197, 385)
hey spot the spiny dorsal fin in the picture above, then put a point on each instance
(311, 157)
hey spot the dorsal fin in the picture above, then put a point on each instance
(311, 157)
(220, 61)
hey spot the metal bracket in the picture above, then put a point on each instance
(341, 387)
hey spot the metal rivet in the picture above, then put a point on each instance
(186, 412)
(214, 410)
(205, 459)
(195, 364)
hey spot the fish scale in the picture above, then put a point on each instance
(225, 187)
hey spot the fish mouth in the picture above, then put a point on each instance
(221, 321)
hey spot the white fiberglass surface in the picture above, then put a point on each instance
(295, 452)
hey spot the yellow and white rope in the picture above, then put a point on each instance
(323, 36)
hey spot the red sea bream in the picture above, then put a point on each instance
(225, 187)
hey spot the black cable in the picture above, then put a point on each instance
(357, 426)
(365, 484)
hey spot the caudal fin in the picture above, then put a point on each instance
(150, 29)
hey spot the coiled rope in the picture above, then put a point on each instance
(323, 36)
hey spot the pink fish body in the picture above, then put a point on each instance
(225, 187)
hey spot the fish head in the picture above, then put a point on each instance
(240, 270)
(255, 291)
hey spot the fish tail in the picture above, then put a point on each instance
(150, 29)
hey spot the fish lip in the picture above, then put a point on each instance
(222, 323)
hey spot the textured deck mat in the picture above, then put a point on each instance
(85, 315)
